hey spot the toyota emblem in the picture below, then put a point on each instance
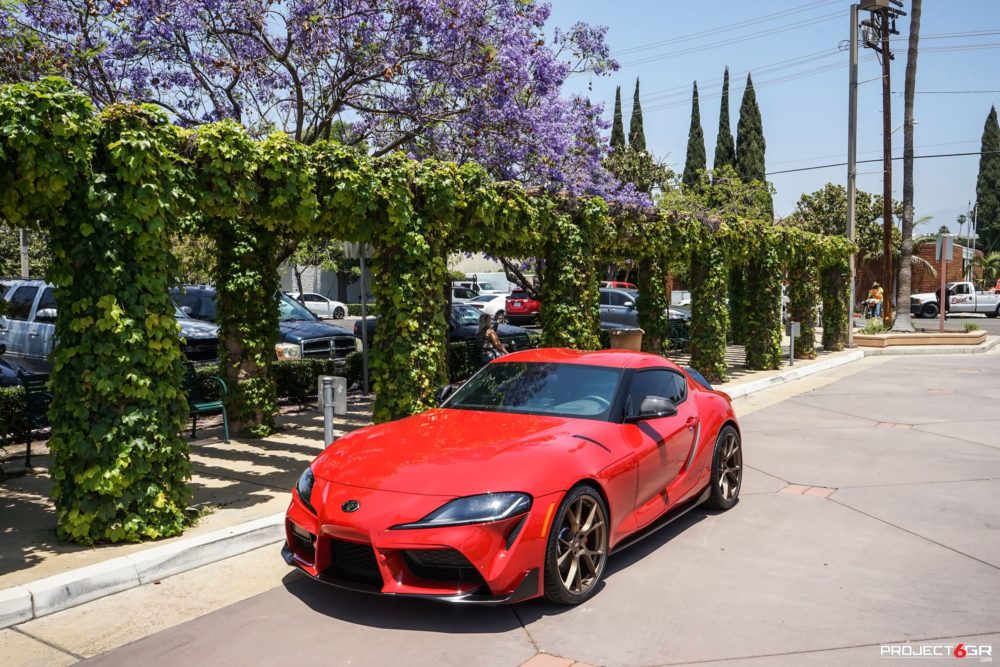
(350, 506)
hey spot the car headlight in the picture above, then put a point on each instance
(486, 508)
(288, 351)
(304, 487)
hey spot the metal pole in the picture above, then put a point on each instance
(791, 348)
(364, 328)
(327, 410)
(944, 292)
(887, 221)
(852, 167)
(25, 268)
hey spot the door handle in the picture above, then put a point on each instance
(33, 334)
(691, 423)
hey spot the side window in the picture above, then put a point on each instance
(207, 308)
(619, 299)
(20, 303)
(961, 289)
(655, 383)
(312, 298)
(605, 299)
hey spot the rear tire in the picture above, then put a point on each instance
(500, 317)
(577, 549)
(727, 469)
(995, 314)
(338, 313)
(930, 310)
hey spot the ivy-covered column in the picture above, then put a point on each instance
(120, 466)
(408, 360)
(652, 304)
(763, 311)
(739, 302)
(709, 312)
(571, 315)
(835, 295)
(803, 288)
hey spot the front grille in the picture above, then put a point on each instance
(336, 347)
(442, 565)
(352, 561)
(343, 346)
(202, 349)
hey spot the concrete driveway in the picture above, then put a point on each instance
(868, 517)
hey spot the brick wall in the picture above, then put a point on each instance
(923, 280)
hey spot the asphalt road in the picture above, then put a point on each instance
(867, 518)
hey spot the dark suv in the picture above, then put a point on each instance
(303, 335)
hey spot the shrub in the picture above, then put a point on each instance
(354, 309)
(13, 420)
(969, 327)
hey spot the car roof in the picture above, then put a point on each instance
(608, 358)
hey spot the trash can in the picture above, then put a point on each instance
(626, 339)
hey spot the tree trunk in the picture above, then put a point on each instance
(298, 283)
(902, 321)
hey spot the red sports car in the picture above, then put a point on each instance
(521, 484)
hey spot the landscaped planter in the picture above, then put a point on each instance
(921, 338)
(627, 339)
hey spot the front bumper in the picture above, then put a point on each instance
(493, 563)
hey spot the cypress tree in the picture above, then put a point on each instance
(696, 160)
(725, 151)
(750, 138)
(617, 126)
(988, 185)
(636, 137)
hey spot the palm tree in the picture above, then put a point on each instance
(902, 321)
(990, 266)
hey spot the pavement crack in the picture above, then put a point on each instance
(526, 631)
(46, 642)
(923, 537)
(894, 484)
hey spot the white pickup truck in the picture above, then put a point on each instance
(963, 297)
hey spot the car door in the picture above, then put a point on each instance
(961, 299)
(663, 444)
(620, 310)
(42, 330)
(317, 303)
(15, 323)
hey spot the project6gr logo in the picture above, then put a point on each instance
(978, 652)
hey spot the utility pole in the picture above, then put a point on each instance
(852, 166)
(25, 268)
(882, 24)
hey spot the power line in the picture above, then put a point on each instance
(813, 158)
(724, 28)
(844, 164)
(948, 92)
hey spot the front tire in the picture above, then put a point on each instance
(338, 313)
(930, 311)
(500, 317)
(727, 469)
(578, 547)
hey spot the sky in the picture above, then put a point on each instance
(800, 75)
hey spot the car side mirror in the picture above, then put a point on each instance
(46, 315)
(442, 394)
(186, 310)
(653, 407)
(630, 305)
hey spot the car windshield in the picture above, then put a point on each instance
(463, 316)
(290, 310)
(488, 286)
(565, 390)
(180, 314)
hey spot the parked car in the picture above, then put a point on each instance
(321, 305)
(462, 328)
(462, 294)
(302, 335)
(618, 307)
(521, 484)
(494, 305)
(617, 284)
(10, 372)
(478, 288)
(963, 297)
(522, 309)
(28, 329)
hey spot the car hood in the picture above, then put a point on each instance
(192, 329)
(296, 331)
(446, 452)
(925, 296)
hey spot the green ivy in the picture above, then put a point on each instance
(652, 306)
(763, 312)
(802, 296)
(120, 467)
(709, 312)
(571, 316)
(835, 281)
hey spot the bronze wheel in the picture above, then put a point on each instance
(727, 469)
(578, 547)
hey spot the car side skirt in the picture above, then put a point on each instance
(664, 521)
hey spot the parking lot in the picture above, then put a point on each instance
(867, 518)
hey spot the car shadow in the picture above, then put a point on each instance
(400, 613)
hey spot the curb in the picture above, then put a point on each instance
(990, 343)
(69, 589)
(753, 386)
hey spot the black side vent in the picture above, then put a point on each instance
(353, 562)
(515, 531)
(442, 565)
